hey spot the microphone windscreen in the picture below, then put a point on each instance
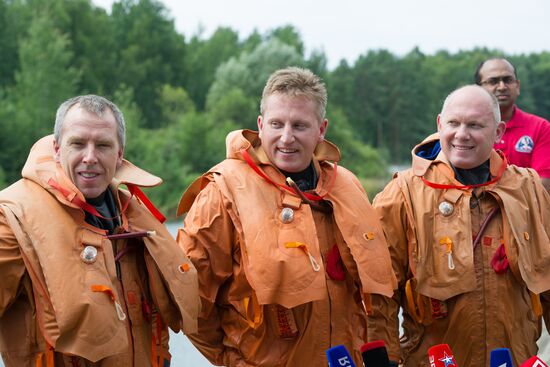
(441, 356)
(501, 357)
(338, 356)
(534, 362)
(374, 354)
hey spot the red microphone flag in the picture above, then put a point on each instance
(534, 362)
(441, 356)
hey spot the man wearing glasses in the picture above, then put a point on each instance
(526, 142)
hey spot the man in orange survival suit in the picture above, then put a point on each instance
(469, 242)
(89, 274)
(285, 241)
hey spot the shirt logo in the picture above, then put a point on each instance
(525, 144)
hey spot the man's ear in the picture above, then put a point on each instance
(323, 130)
(56, 154)
(438, 123)
(120, 157)
(260, 125)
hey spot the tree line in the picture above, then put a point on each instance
(181, 96)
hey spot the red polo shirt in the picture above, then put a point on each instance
(526, 142)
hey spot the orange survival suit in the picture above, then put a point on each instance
(470, 263)
(64, 299)
(281, 281)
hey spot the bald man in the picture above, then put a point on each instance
(526, 141)
(468, 237)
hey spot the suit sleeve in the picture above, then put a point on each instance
(12, 267)
(384, 322)
(208, 240)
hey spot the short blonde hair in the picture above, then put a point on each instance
(294, 81)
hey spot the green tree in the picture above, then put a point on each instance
(45, 79)
(174, 102)
(8, 45)
(250, 71)
(235, 108)
(203, 58)
(91, 33)
(317, 63)
(200, 142)
(339, 84)
(179, 153)
(357, 156)
(373, 89)
(409, 121)
(3, 182)
(135, 139)
(289, 35)
(448, 72)
(150, 53)
(88, 28)
(538, 84)
(253, 40)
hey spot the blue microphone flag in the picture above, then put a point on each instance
(339, 356)
(501, 357)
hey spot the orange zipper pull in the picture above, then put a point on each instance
(449, 251)
(314, 264)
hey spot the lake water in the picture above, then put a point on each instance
(184, 354)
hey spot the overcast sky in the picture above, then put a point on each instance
(349, 28)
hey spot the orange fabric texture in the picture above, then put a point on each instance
(242, 248)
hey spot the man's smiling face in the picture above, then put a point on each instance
(290, 129)
(467, 127)
(89, 151)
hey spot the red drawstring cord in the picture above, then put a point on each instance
(310, 196)
(134, 191)
(436, 185)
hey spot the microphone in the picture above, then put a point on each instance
(501, 357)
(338, 356)
(441, 356)
(534, 362)
(374, 354)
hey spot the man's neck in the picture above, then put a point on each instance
(473, 176)
(306, 179)
(507, 113)
(105, 205)
(98, 200)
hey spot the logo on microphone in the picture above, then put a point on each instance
(448, 360)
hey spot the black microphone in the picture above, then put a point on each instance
(374, 354)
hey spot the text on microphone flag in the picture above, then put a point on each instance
(344, 361)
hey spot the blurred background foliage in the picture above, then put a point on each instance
(182, 96)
